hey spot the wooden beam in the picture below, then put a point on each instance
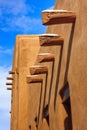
(34, 78)
(9, 78)
(51, 17)
(45, 57)
(37, 69)
(11, 72)
(9, 88)
(9, 84)
(51, 40)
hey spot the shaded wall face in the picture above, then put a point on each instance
(74, 59)
(14, 98)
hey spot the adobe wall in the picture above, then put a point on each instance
(21, 62)
(29, 47)
(14, 93)
(69, 67)
(74, 60)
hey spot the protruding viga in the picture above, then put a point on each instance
(37, 69)
(51, 40)
(9, 88)
(45, 57)
(34, 78)
(50, 17)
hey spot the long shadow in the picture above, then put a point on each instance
(45, 113)
(40, 101)
(39, 107)
(69, 52)
(44, 100)
(68, 120)
(38, 117)
(67, 124)
(51, 81)
(49, 96)
(67, 63)
(45, 91)
(58, 76)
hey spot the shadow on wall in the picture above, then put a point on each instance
(67, 63)
(65, 95)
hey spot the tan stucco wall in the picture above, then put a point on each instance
(69, 66)
(24, 58)
(74, 59)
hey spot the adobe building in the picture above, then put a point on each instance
(49, 85)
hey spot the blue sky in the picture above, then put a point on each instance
(16, 17)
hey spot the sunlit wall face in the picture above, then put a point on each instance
(16, 17)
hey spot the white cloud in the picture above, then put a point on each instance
(14, 7)
(15, 17)
(23, 24)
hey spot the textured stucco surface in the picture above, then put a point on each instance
(69, 66)
(74, 60)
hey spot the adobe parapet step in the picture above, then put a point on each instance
(38, 69)
(51, 17)
(50, 39)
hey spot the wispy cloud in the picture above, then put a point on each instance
(24, 23)
(16, 17)
(14, 7)
(6, 51)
